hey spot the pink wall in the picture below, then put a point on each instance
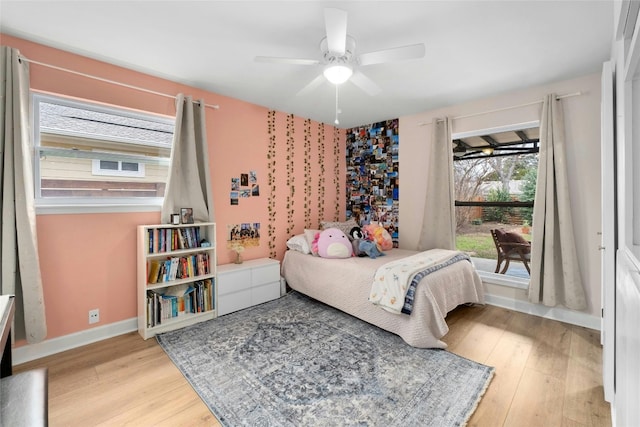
(88, 260)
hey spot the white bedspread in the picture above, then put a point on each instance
(391, 281)
(346, 283)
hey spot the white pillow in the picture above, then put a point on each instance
(310, 236)
(299, 243)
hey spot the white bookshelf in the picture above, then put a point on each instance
(195, 268)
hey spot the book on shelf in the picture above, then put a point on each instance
(175, 301)
(174, 268)
(172, 239)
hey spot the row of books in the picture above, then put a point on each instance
(172, 239)
(175, 268)
(176, 301)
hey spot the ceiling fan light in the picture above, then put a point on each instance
(338, 74)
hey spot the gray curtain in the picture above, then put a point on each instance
(555, 274)
(20, 262)
(189, 182)
(438, 225)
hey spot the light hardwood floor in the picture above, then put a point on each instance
(547, 374)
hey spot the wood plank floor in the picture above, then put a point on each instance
(547, 374)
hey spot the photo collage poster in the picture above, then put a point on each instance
(372, 175)
(246, 185)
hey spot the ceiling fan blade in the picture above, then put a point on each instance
(280, 60)
(394, 54)
(313, 84)
(335, 21)
(365, 83)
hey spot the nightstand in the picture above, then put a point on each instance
(250, 283)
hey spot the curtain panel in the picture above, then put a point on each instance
(555, 273)
(438, 225)
(189, 181)
(20, 261)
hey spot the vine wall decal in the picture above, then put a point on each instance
(321, 178)
(290, 175)
(271, 181)
(307, 173)
(336, 171)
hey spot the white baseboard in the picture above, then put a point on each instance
(31, 352)
(554, 313)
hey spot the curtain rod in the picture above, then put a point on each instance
(55, 67)
(505, 108)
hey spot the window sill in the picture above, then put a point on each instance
(503, 280)
(91, 208)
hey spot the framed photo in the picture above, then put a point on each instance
(175, 219)
(186, 215)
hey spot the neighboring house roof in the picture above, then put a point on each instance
(66, 120)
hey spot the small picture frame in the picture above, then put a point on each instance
(186, 215)
(175, 219)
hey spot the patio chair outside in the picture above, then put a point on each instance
(511, 247)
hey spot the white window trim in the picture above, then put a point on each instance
(54, 206)
(486, 276)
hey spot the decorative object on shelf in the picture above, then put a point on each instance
(238, 249)
(175, 219)
(186, 215)
(204, 243)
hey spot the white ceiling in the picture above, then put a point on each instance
(474, 49)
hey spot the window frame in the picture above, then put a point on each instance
(62, 205)
(487, 276)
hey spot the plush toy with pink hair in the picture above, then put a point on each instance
(379, 235)
(332, 243)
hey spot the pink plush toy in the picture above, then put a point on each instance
(332, 243)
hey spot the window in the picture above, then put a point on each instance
(495, 181)
(117, 168)
(89, 154)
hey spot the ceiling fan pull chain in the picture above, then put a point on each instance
(337, 122)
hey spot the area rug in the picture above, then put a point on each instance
(296, 362)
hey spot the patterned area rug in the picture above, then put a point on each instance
(296, 362)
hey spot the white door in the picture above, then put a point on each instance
(608, 231)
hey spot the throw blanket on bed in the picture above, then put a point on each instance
(394, 283)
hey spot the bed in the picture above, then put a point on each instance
(346, 284)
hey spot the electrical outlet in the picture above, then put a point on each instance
(94, 316)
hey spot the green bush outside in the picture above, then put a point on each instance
(497, 214)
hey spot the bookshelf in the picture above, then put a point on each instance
(176, 280)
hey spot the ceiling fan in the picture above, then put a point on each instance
(339, 59)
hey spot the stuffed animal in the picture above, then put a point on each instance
(369, 248)
(357, 235)
(333, 243)
(379, 235)
(362, 246)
